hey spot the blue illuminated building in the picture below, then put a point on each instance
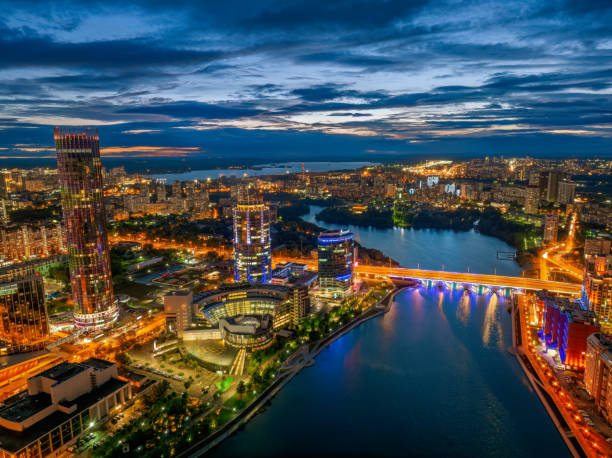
(336, 258)
(252, 254)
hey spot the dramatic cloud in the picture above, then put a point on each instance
(237, 80)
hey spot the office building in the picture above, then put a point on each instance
(79, 168)
(301, 282)
(252, 242)
(598, 372)
(551, 227)
(23, 314)
(597, 287)
(59, 406)
(335, 252)
(566, 327)
(179, 310)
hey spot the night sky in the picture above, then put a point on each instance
(315, 79)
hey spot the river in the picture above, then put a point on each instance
(432, 377)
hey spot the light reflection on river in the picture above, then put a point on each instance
(432, 377)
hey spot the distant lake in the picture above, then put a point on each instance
(278, 168)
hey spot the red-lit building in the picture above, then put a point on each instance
(566, 327)
(80, 175)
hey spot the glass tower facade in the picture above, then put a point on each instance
(252, 243)
(335, 249)
(23, 314)
(80, 174)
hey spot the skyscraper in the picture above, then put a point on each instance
(23, 313)
(78, 162)
(252, 243)
(335, 262)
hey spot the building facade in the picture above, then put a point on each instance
(532, 199)
(252, 241)
(551, 227)
(24, 325)
(60, 405)
(596, 246)
(566, 327)
(597, 287)
(335, 257)
(22, 242)
(598, 372)
(566, 192)
(78, 161)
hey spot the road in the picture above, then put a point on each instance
(554, 255)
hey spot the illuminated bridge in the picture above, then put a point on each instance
(458, 279)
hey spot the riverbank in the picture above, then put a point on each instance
(538, 385)
(301, 358)
(457, 226)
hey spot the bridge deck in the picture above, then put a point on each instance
(499, 281)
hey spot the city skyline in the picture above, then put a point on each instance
(220, 221)
(359, 79)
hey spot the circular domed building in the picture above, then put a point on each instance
(247, 331)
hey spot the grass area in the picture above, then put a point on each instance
(224, 384)
(238, 402)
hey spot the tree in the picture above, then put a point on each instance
(241, 389)
(60, 273)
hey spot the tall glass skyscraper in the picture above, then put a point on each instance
(23, 314)
(80, 174)
(335, 248)
(252, 243)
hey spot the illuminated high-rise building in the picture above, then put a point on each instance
(252, 242)
(551, 227)
(532, 198)
(78, 162)
(23, 313)
(335, 249)
(597, 287)
(566, 192)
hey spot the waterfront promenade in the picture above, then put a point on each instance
(580, 440)
(301, 358)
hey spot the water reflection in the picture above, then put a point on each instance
(492, 326)
(430, 378)
(463, 309)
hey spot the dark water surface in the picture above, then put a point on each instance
(430, 378)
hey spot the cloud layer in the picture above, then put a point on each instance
(308, 78)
